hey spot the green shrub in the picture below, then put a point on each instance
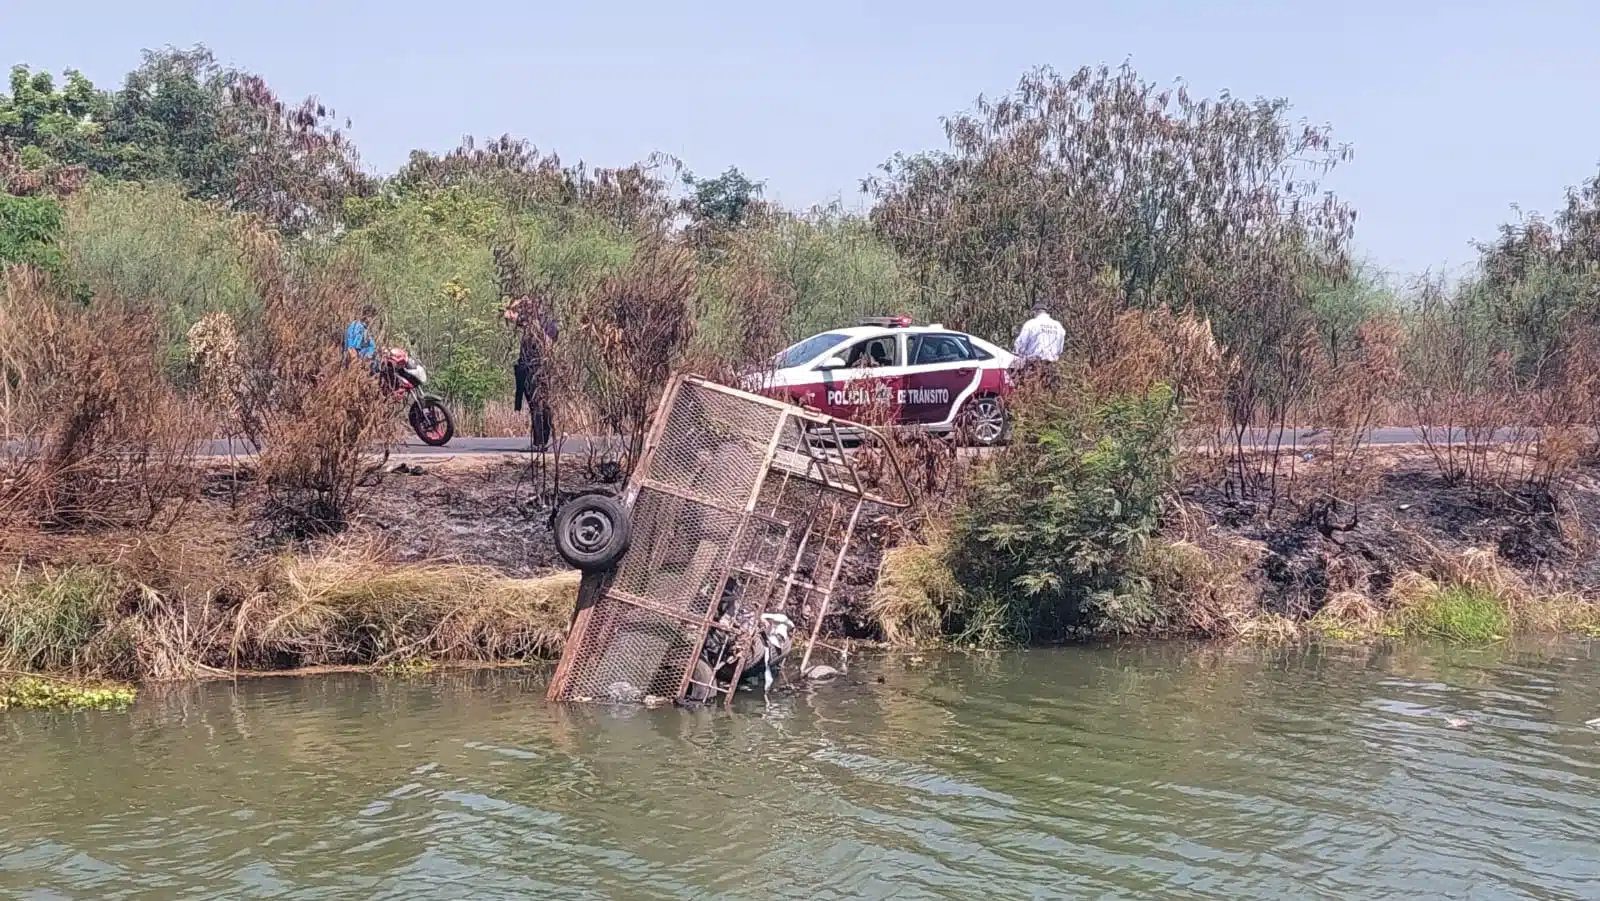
(150, 242)
(29, 227)
(430, 258)
(1047, 543)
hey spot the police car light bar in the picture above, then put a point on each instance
(888, 321)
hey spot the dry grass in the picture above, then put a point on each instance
(631, 333)
(1468, 597)
(322, 419)
(1201, 579)
(101, 435)
(1203, 585)
(351, 608)
(1270, 629)
(142, 615)
(914, 591)
(498, 419)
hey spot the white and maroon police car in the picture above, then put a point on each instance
(924, 375)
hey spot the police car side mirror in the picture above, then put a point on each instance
(832, 363)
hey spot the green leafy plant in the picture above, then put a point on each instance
(29, 227)
(1046, 544)
(1461, 613)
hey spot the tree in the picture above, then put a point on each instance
(633, 199)
(719, 206)
(1207, 206)
(167, 123)
(294, 167)
(48, 136)
(1190, 201)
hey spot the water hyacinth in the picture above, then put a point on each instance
(39, 693)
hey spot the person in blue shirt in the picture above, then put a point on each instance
(358, 343)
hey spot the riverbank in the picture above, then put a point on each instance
(453, 565)
(450, 561)
(1409, 554)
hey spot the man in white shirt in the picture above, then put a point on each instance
(1041, 338)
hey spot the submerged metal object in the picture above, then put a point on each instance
(741, 505)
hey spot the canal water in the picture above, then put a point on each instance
(1156, 771)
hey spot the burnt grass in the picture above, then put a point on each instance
(1411, 516)
(498, 513)
(494, 513)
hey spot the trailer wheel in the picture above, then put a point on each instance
(592, 532)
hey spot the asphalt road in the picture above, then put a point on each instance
(1400, 436)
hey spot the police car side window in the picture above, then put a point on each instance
(931, 349)
(872, 352)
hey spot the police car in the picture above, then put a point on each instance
(923, 375)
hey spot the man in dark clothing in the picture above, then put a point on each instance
(537, 326)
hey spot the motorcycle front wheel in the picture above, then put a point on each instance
(432, 422)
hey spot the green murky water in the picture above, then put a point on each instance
(1151, 772)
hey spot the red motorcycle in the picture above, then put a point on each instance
(404, 379)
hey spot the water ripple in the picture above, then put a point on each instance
(1152, 772)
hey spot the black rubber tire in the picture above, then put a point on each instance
(700, 693)
(986, 407)
(441, 414)
(593, 531)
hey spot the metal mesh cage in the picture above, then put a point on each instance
(679, 552)
(714, 445)
(737, 498)
(630, 653)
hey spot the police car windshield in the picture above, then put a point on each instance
(809, 349)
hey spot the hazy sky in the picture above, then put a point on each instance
(1457, 110)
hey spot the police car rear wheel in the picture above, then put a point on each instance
(984, 421)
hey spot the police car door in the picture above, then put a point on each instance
(868, 385)
(940, 372)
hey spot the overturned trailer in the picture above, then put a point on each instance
(736, 523)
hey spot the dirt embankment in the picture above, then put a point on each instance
(495, 512)
(1410, 521)
(453, 559)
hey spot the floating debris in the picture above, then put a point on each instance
(624, 692)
